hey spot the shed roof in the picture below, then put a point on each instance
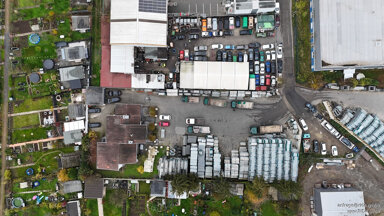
(94, 188)
(81, 23)
(73, 136)
(73, 208)
(69, 160)
(74, 125)
(72, 186)
(71, 73)
(158, 188)
(76, 110)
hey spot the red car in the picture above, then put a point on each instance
(181, 54)
(164, 124)
(268, 80)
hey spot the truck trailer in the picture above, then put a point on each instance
(215, 102)
(267, 129)
(189, 99)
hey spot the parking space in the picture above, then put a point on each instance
(232, 39)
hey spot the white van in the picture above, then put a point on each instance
(303, 124)
(162, 133)
(209, 23)
(250, 22)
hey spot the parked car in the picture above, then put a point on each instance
(209, 23)
(114, 93)
(200, 58)
(303, 124)
(262, 56)
(203, 48)
(254, 45)
(257, 67)
(268, 80)
(273, 83)
(240, 57)
(334, 151)
(262, 80)
(181, 55)
(231, 23)
(94, 110)
(315, 146)
(237, 22)
(268, 46)
(250, 53)
(279, 66)
(224, 56)
(165, 117)
(180, 37)
(164, 124)
(277, 21)
(15, 48)
(206, 34)
(323, 149)
(268, 54)
(246, 32)
(226, 23)
(220, 24)
(229, 47)
(257, 54)
(240, 47)
(193, 36)
(214, 24)
(273, 67)
(204, 25)
(277, 7)
(311, 108)
(273, 55)
(229, 58)
(228, 33)
(217, 46)
(219, 54)
(268, 66)
(262, 68)
(257, 76)
(94, 125)
(162, 133)
(280, 51)
(217, 33)
(250, 22)
(245, 57)
(113, 100)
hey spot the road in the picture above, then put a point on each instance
(4, 137)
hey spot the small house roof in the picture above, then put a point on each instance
(72, 186)
(158, 188)
(69, 160)
(94, 188)
(73, 208)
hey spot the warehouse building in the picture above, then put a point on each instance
(338, 202)
(214, 75)
(140, 23)
(347, 34)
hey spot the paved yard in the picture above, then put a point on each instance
(230, 126)
(364, 177)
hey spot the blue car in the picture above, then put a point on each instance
(257, 79)
(240, 57)
(229, 47)
(356, 149)
(268, 66)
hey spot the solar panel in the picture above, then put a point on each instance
(153, 6)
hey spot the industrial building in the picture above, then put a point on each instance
(272, 159)
(338, 202)
(140, 23)
(366, 126)
(347, 34)
(214, 75)
(252, 6)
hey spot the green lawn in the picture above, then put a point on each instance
(34, 104)
(27, 14)
(268, 209)
(111, 208)
(130, 170)
(32, 210)
(144, 188)
(25, 120)
(48, 184)
(24, 135)
(92, 206)
(96, 43)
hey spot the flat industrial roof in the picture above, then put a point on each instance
(214, 75)
(348, 33)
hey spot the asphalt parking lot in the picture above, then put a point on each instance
(230, 126)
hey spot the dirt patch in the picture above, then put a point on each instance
(20, 27)
(364, 177)
(93, 152)
(137, 206)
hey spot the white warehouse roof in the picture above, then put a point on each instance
(74, 125)
(214, 75)
(148, 81)
(122, 60)
(139, 22)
